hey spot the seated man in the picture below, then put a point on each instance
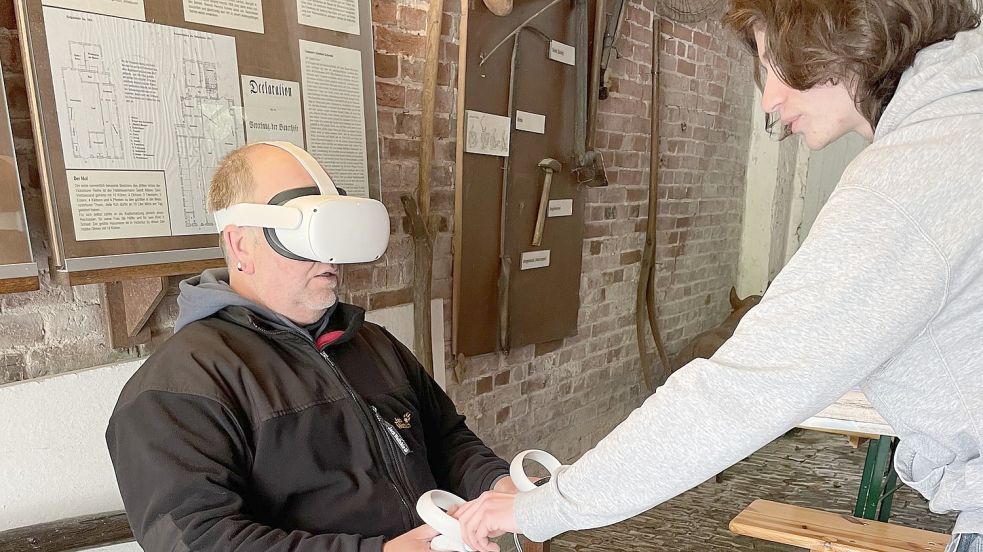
(276, 418)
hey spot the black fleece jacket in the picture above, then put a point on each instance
(241, 433)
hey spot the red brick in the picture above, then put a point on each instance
(686, 68)
(701, 39)
(503, 378)
(412, 69)
(483, 385)
(412, 19)
(398, 148)
(631, 257)
(384, 12)
(386, 66)
(390, 95)
(408, 124)
(398, 42)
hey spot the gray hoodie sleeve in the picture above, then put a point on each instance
(866, 281)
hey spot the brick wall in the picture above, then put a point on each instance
(563, 395)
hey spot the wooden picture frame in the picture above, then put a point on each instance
(18, 271)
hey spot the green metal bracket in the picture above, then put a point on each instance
(872, 484)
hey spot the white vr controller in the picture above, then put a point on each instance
(433, 505)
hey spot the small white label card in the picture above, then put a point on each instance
(530, 122)
(560, 208)
(487, 134)
(535, 259)
(562, 52)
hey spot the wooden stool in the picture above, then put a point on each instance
(828, 532)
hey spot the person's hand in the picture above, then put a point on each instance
(416, 540)
(489, 516)
(506, 485)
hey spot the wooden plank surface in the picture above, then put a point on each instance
(69, 534)
(819, 530)
(851, 415)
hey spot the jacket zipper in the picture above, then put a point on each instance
(400, 485)
(395, 442)
(398, 480)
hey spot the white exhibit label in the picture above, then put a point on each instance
(334, 15)
(111, 205)
(487, 134)
(271, 109)
(130, 9)
(560, 208)
(135, 96)
(562, 52)
(334, 113)
(243, 15)
(535, 259)
(530, 122)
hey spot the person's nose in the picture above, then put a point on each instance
(774, 94)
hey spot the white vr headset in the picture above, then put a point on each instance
(315, 223)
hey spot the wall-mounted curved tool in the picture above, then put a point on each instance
(499, 7)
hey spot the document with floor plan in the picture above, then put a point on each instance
(135, 96)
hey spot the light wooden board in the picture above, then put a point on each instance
(830, 532)
(851, 415)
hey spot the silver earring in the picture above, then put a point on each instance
(239, 266)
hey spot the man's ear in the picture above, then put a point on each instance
(240, 245)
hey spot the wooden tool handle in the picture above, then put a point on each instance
(544, 205)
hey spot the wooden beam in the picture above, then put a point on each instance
(422, 271)
(459, 187)
(106, 275)
(127, 306)
(19, 285)
(68, 534)
(419, 211)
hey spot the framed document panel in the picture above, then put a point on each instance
(18, 271)
(135, 102)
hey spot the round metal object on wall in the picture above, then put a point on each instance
(499, 7)
(690, 11)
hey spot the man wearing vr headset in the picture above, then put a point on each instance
(276, 418)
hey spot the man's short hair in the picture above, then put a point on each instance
(815, 42)
(232, 183)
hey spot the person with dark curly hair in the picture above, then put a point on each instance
(886, 294)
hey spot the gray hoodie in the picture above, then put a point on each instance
(204, 295)
(886, 294)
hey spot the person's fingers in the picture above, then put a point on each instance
(473, 521)
(466, 520)
(425, 532)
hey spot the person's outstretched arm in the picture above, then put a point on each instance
(865, 282)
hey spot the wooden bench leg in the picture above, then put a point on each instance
(529, 546)
(872, 481)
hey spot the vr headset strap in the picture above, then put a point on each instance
(263, 216)
(324, 182)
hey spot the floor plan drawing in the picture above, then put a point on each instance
(203, 137)
(134, 96)
(92, 104)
